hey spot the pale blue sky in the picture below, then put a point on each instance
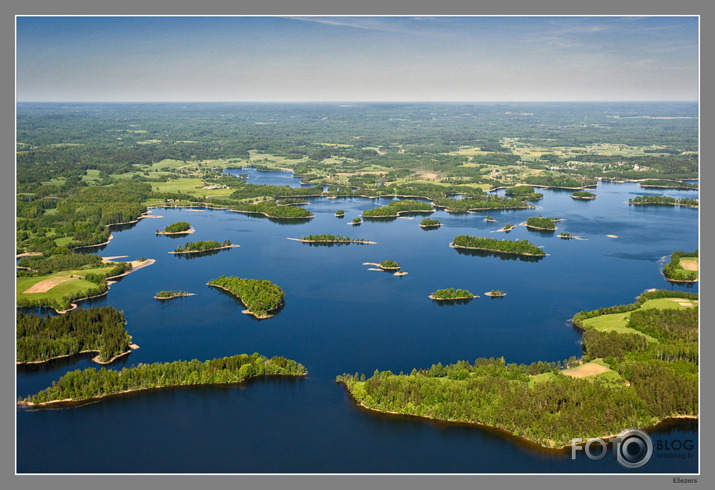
(226, 59)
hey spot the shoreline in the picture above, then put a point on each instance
(174, 296)
(88, 351)
(187, 232)
(97, 245)
(489, 293)
(247, 311)
(582, 198)
(530, 227)
(233, 245)
(208, 206)
(431, 296)
(24, 404)
(500, 429)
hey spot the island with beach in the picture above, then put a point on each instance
(93, 384)
(429, 223)
(202, 246)
(540, 223)
(632, 355)
(452, 294)
(178, 228)
(582, 195)
(261, 298)
(683, 267)
(495, 293)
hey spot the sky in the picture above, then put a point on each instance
(297, 59)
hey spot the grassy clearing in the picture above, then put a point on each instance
(69, 287)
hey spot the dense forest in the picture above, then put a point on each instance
(40, 338)
(541, 223)
(523, 247)
(429, 223)
(395, 208)
(177, 227)
(94, 383)
(329, 238)
(451, 293)
(260, 296)
(389, 264)
(648, 382)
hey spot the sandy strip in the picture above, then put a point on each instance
(28, 254)
(489, 293)
(400, 273)
(111, 259)
(47, 284)
(585, 370)
(371, 263)
(612, 236)
(190, 230)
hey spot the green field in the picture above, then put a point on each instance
(73, 286)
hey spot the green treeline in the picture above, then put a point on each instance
(668, 184)
(62, 260)
(394, 208)
(171, 294)
(452, 293)
(567, 181)
(273, 210)
(332, 238)
(201, 246)
(523, 247)
(540, 222)
(177, 227)
(97, 329)
(259, 296)
(93, 383)
(663, 200)
(675, 272)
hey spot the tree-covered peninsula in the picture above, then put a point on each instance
(451, 294)
(180, 227)
(629, 377)
(91, 383)
(540, 223)
(668, 184)
(202, 246)
(683, 267)
(260, 297)
(521, 247)
(42, 338)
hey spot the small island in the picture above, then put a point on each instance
(92, 384)
(43, 338)
(163, 295)
(389, 265)
(583, 195)
(451, 294)
(507, 228)
(495, 293)
(356, 221)
(683, 267)
(330, 239)
(489, 219)
(565, 235)
(430, 223)
(202, 246)
(540, 223)
(340, 213)
(260, 297)
(178, 228)
(519, 247)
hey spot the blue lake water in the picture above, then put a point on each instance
(341, 317)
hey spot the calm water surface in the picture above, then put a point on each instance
(341, 317)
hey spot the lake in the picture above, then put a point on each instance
(339, 316)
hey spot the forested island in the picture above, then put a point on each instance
(90, 383)
(339, 213)
(389, 265)
(43, 338)
(648, 200)
(356, 221)
(202, 246)
(329, 238)
(683, 267)
(521, 247)
(452, 294)
(669, 184)
(164, 295)
(395, 208)
(584, 195)
(495, 293)
(430, 223)
(178, 228)
(260, 297)
(635, 376)
(540, 223)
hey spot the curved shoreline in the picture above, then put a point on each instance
(247, 311)
(452, 245)
(209, 206)
(95, 245)
(88, 351)
(24, 404)
(502, 430)
(531, 227)
(205, 250)
(186, 232)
